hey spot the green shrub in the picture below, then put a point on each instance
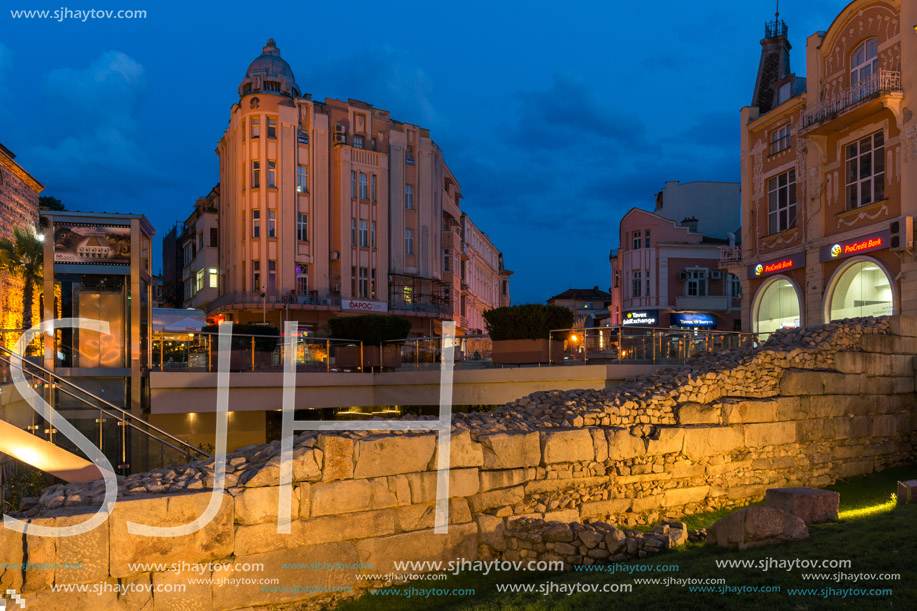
(239, 330)
(528, 321)
(371, 329)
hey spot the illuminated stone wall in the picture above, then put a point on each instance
(808, 408)
(18, 208)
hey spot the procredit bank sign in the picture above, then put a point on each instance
(363, 306)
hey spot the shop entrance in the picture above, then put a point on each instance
(777, 306)
(861, 288)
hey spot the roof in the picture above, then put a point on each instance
(582, 294)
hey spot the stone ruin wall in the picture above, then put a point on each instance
(544, 477)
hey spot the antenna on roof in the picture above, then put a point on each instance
(777, 14)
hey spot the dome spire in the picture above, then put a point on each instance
(269, 73)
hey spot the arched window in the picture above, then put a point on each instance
(777, 306)
(864, 64)
(862, 288)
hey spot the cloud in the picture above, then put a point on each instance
(92, 144)
(383, 76)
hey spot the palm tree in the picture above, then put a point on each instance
(22, 257)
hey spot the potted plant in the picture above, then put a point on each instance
(373, 330)
(521, 334)
(241, 358)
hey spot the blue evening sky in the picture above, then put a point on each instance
(556, 118)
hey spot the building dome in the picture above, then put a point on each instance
(269, 73)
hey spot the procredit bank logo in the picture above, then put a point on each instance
(11, 598)
(759, 269)
(836, 251)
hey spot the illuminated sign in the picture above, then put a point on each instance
(363, 306)
(92, 244)
(641, 318)
(693, 320)
(856, 246)
(766, 268)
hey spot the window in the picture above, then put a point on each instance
(302, 135)
(784, 93)
(372, 234)
(302, 282)
(214, 236)
(364, 234)
(408, 294)
(256, 275)
(696, 285)
(213, 277)
(199, 281)
(271, 276)
(637, 285)
(364, 188)
(637, 240)
(271, 128)
(200, 240)
(781, 194)
(188, 255)
(353, 280)
(353, 184)
(302, 179)
(409, 241)
(735, 287)
(272, 223)
(409, 197)
(363, 286)
(271, 174)
(256, 223)
(647, 291)
(866, 171)
(864, 64)
(302, 227)
(187, 290)
(447, 296)
(358, 142)
(780, 139)
(256, 127)
(446, 258)
(646, 239)
(372, 284)
(256, 174)
(373, 182)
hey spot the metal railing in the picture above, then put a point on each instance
(653, 345)
(113, 429)
(883, 81)
(730, 254)
(313, 298)
(418, 353)
(197, 352)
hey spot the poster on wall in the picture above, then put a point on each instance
(92, 244)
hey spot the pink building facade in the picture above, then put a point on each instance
(666, 274)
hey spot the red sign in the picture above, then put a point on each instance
(766, 268)
(854, 247)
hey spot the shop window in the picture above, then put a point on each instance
(861, 289)
(778, 307)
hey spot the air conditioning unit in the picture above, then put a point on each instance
(335, 288)
(340, 138)
(901, 233)
(340, 129)
(335, 255)
(716, 275)
(683, 276)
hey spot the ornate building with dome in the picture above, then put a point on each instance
(334, 207)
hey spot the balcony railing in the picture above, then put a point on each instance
(440, 309)
(884, 81)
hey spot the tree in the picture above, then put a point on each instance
(22, 257)
(52, 204)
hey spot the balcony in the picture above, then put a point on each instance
(245, 300)
(432, 309)
(730, 256)
(708, 303)
(885, 83)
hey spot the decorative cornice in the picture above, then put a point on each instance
(24, 176)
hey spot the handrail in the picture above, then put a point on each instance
(124, 414)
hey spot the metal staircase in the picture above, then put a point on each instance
(130, 443)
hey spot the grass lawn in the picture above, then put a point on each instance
(875, 535)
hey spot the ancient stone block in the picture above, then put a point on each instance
(802, 382)
(496, 499)
(770, 434)
(700, 413)
(567, 446)
(603, 509)
(703, 442)
(392, 454)
(491, 531)
(622, 445)
(420, 546)
(257, 505)
(505, 478)
(667, 440)
(677, 497)
(600, 442)
(810, 504)
(464, 452)
(905, 326)
(745, 412)
(337, 456)
(341, 497)
(212, 542)
(188, 596)
(462, 483)
(511, 450)
(755, 527)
